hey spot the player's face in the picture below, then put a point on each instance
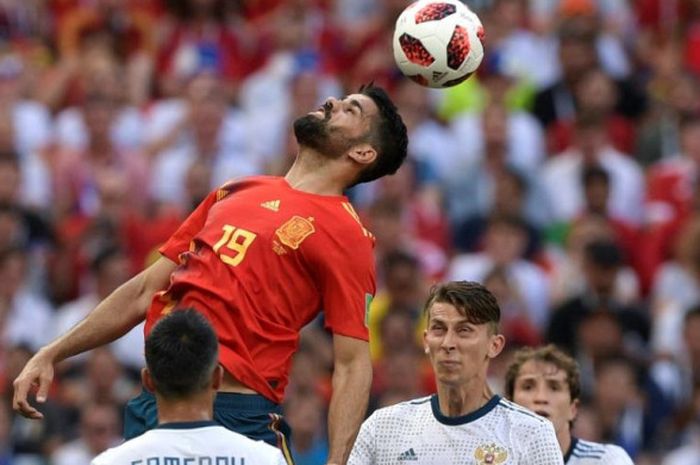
(337, 126)
(542, 387)
(459, 351)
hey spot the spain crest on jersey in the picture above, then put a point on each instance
(294, 231)
(490, 454)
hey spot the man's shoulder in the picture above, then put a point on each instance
(248, 182)
(402, 410)
(589, 452)
(520, 415)
(340, 217)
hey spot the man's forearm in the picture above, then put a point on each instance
(111, 319)
(351, 385)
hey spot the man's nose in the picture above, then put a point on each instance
(332, 102)
(541, 395)
(448, 341)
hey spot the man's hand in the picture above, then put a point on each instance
(37, 373)
(111, 319)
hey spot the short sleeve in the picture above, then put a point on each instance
(179, 242)
(100, 460)
(364, 450)
(280, 459)
(347, 277)
(544, 448)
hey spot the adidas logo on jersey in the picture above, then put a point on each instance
(273, 205)
(410, 454)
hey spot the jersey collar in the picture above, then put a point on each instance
(572, 446)
(469, 417)
(187, 424)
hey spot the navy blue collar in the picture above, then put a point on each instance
(187, 424)
(572, 446)
(461, 420)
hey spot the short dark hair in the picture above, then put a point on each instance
(104, 255)
(590, 120)
(688, 120)
(471, 299)
(692, 312)
(388, 135)
(181, 353)
(595, 173)
(604, 254)
(546, 354)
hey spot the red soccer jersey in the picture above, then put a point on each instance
(261, 260)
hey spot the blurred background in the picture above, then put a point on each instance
(564, 175)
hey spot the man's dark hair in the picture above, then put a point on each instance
(471, 299)
(104, 255)
(397, 259)
(595, 173)
(604, 254)
(388, 135)
(590, 120)
(514, 222)
(181, 353)
(689, 120)
(692, 312)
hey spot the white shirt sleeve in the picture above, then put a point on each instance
(280, 459)
(364, 451)
(100, 460)
(544, 449)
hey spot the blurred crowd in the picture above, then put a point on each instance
(565, 176)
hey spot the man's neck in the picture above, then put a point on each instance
(564, 439)
(456, 401)
(194, 408)
(313, 174)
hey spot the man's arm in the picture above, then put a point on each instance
(112, 318)
(352, 377)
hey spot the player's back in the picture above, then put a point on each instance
(593, 453)
(191, 443)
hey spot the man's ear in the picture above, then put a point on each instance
(363, 154)
(498, 342)
(147, 380)
(217, 377)
(573, 410)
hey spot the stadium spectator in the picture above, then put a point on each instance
(601, 263)
(108, 270)
(561, 175)
(99, 430)
(505, 242)
(305, 412)
(627, 417)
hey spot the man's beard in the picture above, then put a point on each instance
(314, 133)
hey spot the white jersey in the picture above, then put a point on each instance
(417, 433)
(594, 453)
(191, 443)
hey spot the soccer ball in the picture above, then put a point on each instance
(438, 43)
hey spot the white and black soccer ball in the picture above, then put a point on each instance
(438, 43)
